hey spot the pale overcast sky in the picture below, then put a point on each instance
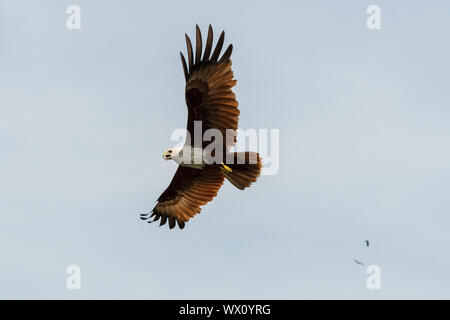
(364, 132)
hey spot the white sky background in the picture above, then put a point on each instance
(364, 133)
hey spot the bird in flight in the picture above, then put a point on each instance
(211, 102)
(367, 243)
(358, 262)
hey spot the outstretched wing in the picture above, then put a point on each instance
(209, 80)
(189, 190)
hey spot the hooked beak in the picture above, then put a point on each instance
(166, 155)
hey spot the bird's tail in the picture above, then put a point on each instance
(243, 170)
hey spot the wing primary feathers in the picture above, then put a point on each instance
(226, 56)
(189, 49)
(163, 220)
(180, 223)
(185, 69)
(171, 222)
(157, 216)
(198, 45)
(193, 62)
(218, 48)
(145, 216)
(209, 42)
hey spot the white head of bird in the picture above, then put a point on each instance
(167, 154)
(185, 156)
(174, 154)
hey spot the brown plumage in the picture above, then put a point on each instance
(210, 99)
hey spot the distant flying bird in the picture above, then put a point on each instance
(358, 262)
(367, 243)
(209, 99)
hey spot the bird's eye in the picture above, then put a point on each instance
(170, 151)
